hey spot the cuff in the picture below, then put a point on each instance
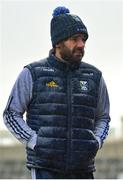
(99, 141)
(32, 141)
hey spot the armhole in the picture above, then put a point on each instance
(32, 71)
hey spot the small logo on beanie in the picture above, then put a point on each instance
(79, 29)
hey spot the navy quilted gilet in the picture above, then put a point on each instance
(62, 112)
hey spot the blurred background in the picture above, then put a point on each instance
(25, 37)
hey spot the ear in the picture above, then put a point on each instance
(58, 45)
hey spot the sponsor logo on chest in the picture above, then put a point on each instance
(52, 84)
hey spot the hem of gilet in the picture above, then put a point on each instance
(30, 166)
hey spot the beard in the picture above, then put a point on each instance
(73, 56)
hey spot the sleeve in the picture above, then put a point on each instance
(17, 104)
(102, 114)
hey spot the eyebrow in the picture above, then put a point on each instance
(75, 36)
(83, 36)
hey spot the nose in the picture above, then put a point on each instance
(80, 43)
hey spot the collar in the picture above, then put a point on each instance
(61, 64)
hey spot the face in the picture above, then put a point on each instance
(72, 49)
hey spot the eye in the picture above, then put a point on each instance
(74, 38)
(84, 37)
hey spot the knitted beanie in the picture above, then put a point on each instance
(64, 25)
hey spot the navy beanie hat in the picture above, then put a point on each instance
(64, 25)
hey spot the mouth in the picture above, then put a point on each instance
(78, 53)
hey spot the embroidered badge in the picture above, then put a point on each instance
(84, 85)
(52, 84)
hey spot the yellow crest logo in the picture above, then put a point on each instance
(52, 84)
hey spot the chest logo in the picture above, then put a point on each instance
(52, 84)
(47, 69)
(84, 85)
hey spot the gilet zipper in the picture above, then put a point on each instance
(69, 124)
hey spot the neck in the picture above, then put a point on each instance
(57, 55)
(63, 62)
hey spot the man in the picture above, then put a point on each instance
(66, 104)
